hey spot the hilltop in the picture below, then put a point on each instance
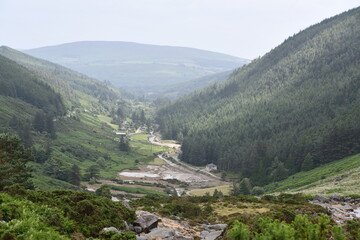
(140, 68)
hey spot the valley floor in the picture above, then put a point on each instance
(167, 170)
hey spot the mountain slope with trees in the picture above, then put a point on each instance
(140, 68)
(66, 119)
(295, 108)
(181, 89)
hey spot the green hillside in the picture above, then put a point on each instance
(291, 110)
(17, 83)
(67, 120)
(75, 88)
(140, 68)
(338, 177)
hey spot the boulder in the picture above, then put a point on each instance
(321, 199)
(337, 198)
(204, 233)
(141, 238)
(146, 221)
(161, 233)
(177, 237)
(138, 229)
(213, 235)
(108, 229)
(218, 227)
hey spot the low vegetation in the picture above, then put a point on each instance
(57, 214)
(273, 217)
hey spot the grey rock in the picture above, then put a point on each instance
(204, 233)
(164, 233)
(348, 208)
(213, 235)
(2, 221)
(108, 229)
(138, 229)
(183, 238)
(337, 198)
(126, 204)
(218, 226)
(141, 238)
(321, 199)
(347, 199)
(146, 221)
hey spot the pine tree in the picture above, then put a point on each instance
(104, 191)
(50, 126)
(39, 122)
(245, 187)
(308, 163)
(75, 175)
(13, 162)
(124, 144)
(92, 172)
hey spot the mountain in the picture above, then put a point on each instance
(181, 89)
(137, 67)
(17, 83)
(73, 86)
(67, 119)
(295, 108)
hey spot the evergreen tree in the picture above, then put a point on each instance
(26, 136)
(308, 163)
(279, 171)
(13, 162)
(75, 175)
(104, 191)
(142, 116)
(39, 122)
(92, 172)
(234, 191)
(245, 187)
(50, 126)
(124, 144)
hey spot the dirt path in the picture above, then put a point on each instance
(176, 161)
(172, 169)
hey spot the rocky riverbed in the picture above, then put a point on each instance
(341, 208)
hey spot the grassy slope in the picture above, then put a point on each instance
(87, 137)
(338, 177)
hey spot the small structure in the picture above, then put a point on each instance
(211, 167)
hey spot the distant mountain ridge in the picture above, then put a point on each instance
(137, 67)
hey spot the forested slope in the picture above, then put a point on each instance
(16, 82)
(64, 118)
(295, 108)
(70, 84)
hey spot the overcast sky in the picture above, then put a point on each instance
(244, 28)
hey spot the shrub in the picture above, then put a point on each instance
(257, 190)
(239, 231)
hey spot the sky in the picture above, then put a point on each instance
(243, 28)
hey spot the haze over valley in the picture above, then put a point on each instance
(119, 140)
